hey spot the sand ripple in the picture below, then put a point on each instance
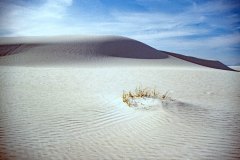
(65, 120)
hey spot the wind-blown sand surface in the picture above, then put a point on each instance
(61, 99)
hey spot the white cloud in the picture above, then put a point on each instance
(35, 20)
(214, 6)
(215, 48)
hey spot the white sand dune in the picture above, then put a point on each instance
(62, 50)
(203, 62)
(60, 98)
(96, 45)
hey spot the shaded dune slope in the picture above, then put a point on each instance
(56, 50)
(203, 62)
(96, 46)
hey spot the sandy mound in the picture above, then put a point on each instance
(95, 45)
(81, 50)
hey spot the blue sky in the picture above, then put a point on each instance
(201, 28)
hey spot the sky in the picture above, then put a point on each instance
(207, 29)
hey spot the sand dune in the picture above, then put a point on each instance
(96, 45)
(68, 50)
(61, 98)
(203, 62)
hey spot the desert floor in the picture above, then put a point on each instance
(77, 113)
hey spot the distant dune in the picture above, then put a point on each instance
(236, 68)
(203, 62)
(74, 49)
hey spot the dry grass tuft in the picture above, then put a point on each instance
(128, 97)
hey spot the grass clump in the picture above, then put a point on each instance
(129, 96)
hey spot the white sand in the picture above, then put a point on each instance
(74, 110)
